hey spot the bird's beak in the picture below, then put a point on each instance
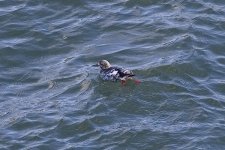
(96, 65)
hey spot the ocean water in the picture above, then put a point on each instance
(52, 98)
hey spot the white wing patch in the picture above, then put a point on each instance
(113, 73)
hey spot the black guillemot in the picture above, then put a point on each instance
(113, 73)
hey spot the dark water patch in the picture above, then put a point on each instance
(132, 3)
(218, 86)
(221, 60)
(65, 130)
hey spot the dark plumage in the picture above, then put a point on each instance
(110, 73)
(115, 73)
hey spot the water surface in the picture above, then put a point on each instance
(52, 98)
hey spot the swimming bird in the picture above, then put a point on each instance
(113, 73)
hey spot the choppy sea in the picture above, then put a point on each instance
(52, 98)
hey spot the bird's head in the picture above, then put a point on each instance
(104, 64)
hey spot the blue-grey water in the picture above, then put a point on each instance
(52, 98)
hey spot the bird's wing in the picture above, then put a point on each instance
(114, 72)
(123, 72)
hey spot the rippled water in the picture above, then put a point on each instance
(51, 97)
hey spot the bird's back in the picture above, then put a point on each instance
(115, 73)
